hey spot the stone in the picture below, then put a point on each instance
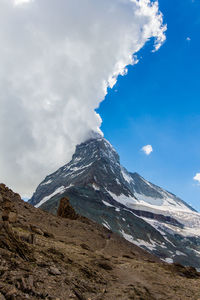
(65, 210)
(12, 217)
(30, 282)
(48, 234)
(23, 284)
(84, 246)
(11, 293)
(36, 229)
(31, 238)
(54, 271)
(2, 297)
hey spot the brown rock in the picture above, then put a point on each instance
(54, 271)
(84, 246)
(30, 282)
(65, 210)
(12, 217)
(2, 297)
(48, 234)
(188, 272)
(10, 241)
(31, 238)
(23, 284)
(11, 293)
(36, 229)
(7, 203)
(104, 265)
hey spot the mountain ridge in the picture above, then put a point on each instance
(101, 189)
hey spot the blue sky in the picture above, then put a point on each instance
(157, 103)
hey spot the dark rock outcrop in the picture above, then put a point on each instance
(8, 238)
(7, 200)
(65, 210)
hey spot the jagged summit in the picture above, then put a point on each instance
(100, 188)
(94, 135)
(97, 147)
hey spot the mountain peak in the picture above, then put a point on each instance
(96, 147)
(100, 188)
(94, 135)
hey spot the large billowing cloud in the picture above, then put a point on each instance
(57, 59)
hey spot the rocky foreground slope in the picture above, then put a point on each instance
(47, 257)
(101, 189)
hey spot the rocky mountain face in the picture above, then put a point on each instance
(43, 256)
(101, 189)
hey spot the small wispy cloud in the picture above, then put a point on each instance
(197, 177)
(188, 39)
(147, 149)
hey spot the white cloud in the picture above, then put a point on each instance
(19, 2)
(57, 59)
(197, 177)
(188, 39)
(147, 149)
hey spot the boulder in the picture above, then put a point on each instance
(2, 297)
(36, 229)
(12, 217)
(65, 210)
(54, 271)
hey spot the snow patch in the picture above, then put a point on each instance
(180, 253)
(118, 182)
(151, 245)
(47, 182)
(197, 252)
(123, 199)
(148, 183)
(95, 187)
(126, 175)
(168, 260)
(107, 204)
(127, 237)
(74, 169)
(159, 227)
(164, 203)
(105, 224)
(59, 190)
(150, 200)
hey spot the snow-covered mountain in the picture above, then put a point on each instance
(143, 213)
